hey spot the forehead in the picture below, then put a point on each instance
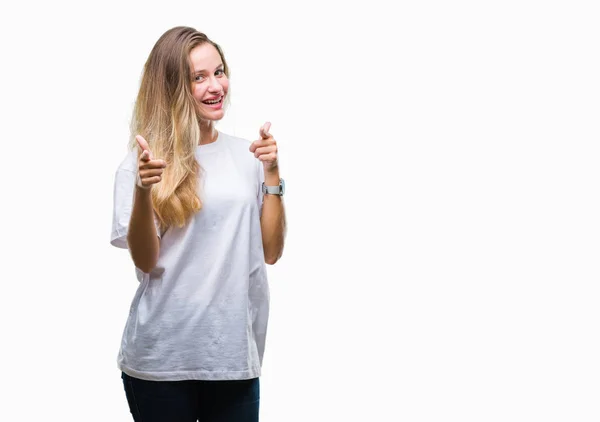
(205, 57)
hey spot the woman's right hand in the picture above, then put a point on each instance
(149, 170)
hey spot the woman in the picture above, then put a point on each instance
(200, 212)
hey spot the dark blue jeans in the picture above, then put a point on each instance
(191, 401)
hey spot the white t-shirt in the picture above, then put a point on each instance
(202, 312)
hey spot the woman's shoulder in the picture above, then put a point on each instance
(240, 149)
(129, 162)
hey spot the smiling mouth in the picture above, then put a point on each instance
(213, 102)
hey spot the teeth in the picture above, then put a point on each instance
(213, 102)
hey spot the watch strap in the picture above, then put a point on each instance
(273, 190)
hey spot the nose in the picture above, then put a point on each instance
(215, 85)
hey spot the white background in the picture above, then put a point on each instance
(441, 161)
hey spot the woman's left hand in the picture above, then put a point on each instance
(265, 149)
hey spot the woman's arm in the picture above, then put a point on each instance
(272, 221)
(142, 238)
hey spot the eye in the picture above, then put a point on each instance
(198, 78)
(220, 72)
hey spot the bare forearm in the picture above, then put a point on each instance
(273, 223)
(141, 236)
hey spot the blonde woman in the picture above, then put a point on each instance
(201, 213)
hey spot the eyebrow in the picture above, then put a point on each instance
(202, 71)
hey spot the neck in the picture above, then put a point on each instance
(208, 132)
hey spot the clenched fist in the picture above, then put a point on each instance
(149, 170)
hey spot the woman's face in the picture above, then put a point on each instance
(209, 82)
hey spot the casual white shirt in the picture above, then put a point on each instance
(202, 312)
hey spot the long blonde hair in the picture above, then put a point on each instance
(166, 115)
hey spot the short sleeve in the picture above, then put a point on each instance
(261, 179)
(122, 205)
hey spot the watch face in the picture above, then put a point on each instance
(282, 184)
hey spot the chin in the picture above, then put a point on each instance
(216, 117)
(212, 117)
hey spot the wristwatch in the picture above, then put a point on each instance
(274, 190)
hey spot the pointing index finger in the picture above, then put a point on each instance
(143, 144)
(264, 130)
